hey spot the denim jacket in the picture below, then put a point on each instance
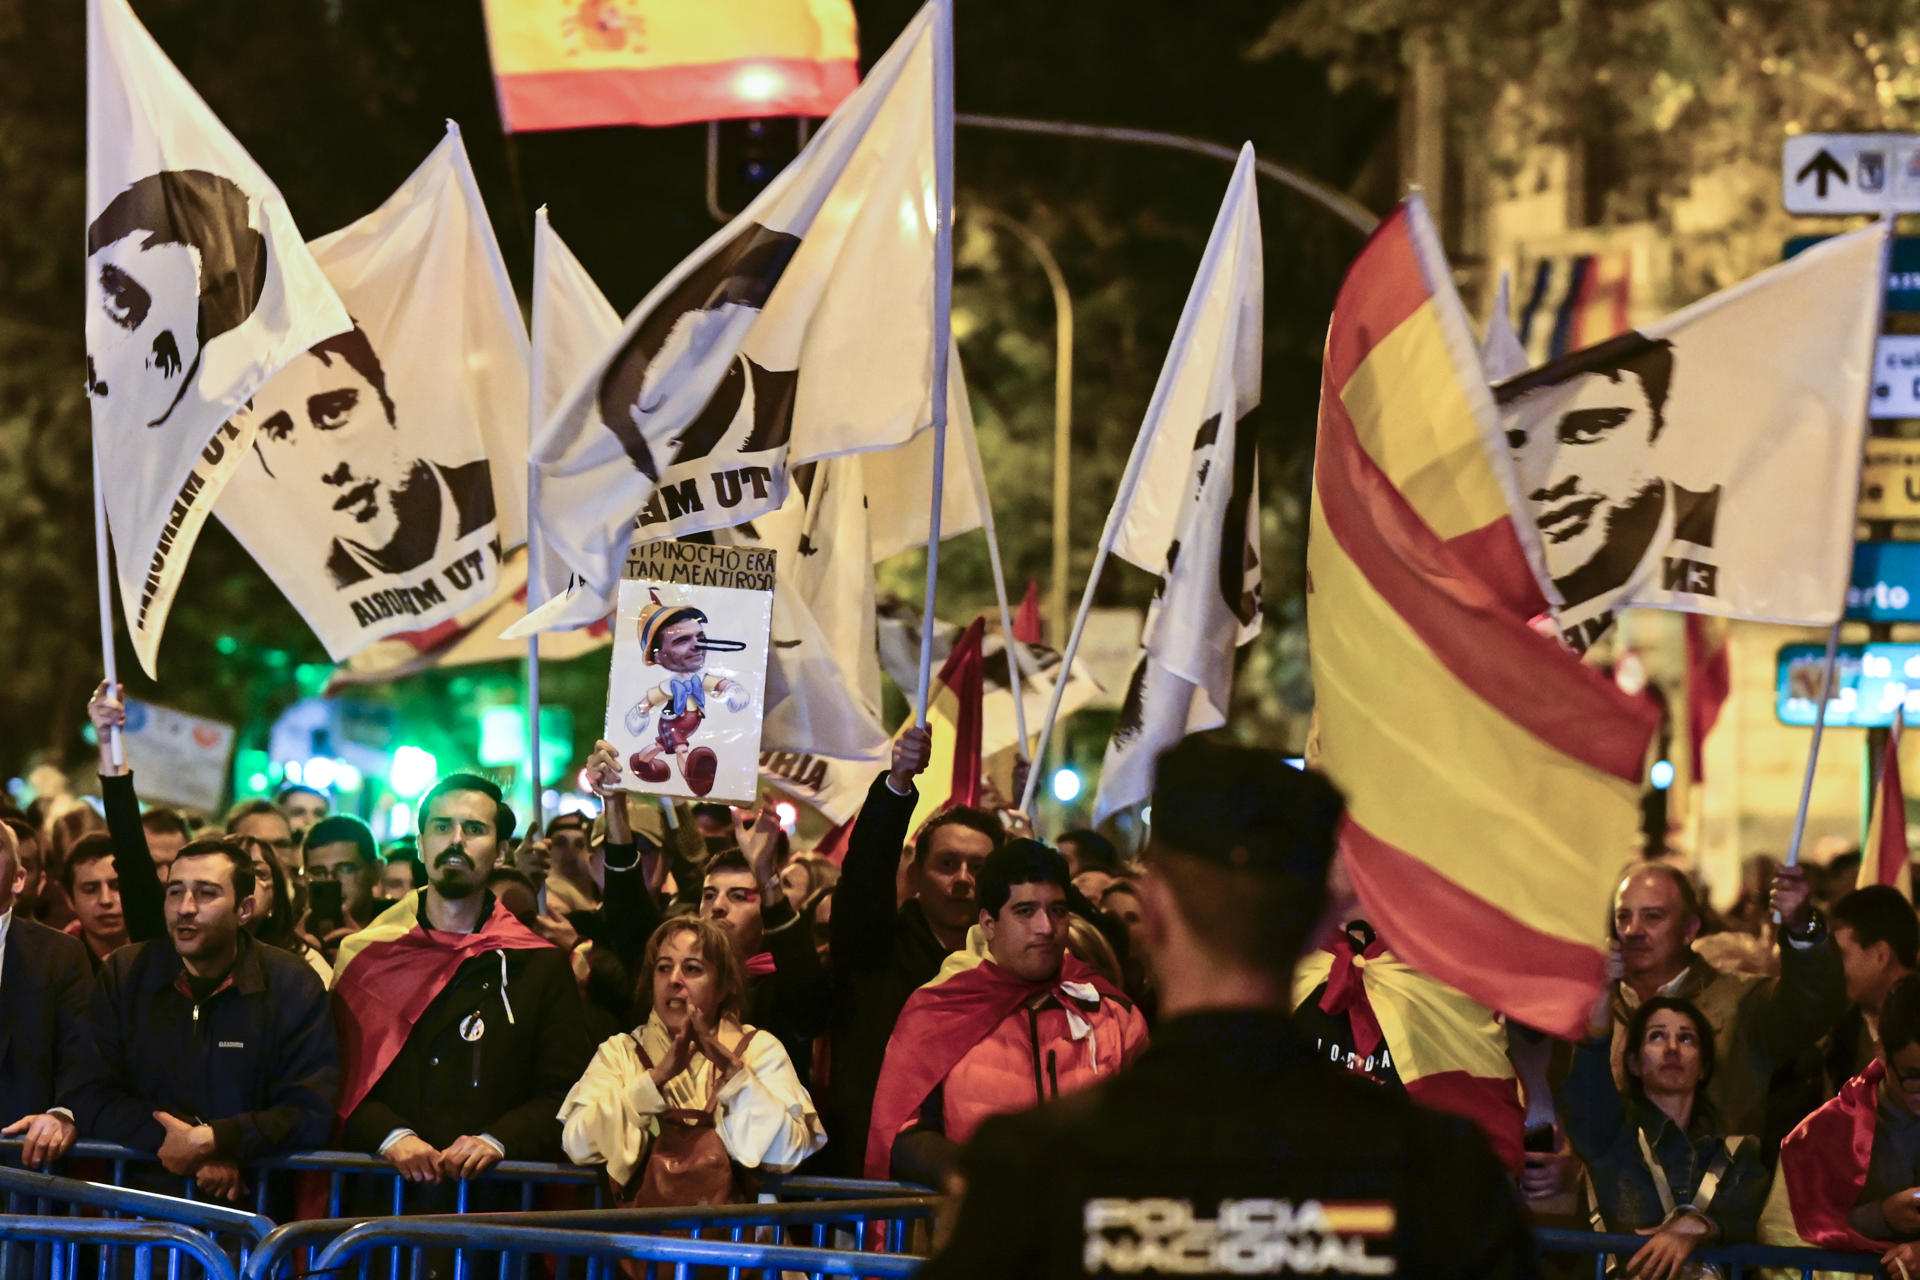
(1605, 1127)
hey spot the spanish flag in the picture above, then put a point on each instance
(953, 773)
(1449, 1051)
(1493, 782)
(576, 64)
(1823, 1169)
(1886, 858)
(389, 972)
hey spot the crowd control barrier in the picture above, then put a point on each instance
(663, 1255)
(272, 1179)
(43, 1197)
(292, 1250)
(1735, 1260)
(57, 1245)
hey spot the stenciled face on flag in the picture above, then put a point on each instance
(331, 444)
(749, 413)
(1585, 434)
(173, 262)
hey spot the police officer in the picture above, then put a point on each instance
(1230, 1148)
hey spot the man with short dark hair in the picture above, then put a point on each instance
(1229, 1147)
(92, 882)
(970, 1044)
(31, 856)
(303, 806)
(1877, 935)
(1760, 1025)
(461, 1030)
(262, 820)
(215, 1049)
(400, 875)
(167, 833)
(883, 950)
(1088, 850)
(341, 849)
(45, 1050)
(573, 881)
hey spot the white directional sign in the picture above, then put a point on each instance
(1851, 173)
(1896, 377)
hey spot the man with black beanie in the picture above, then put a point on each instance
(1229, 1148)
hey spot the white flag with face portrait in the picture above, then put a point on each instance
(1194, 515)
(385, 471)
(802, 329)
(198, 289)
(1710, 463)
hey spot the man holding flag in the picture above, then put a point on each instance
(460, 1029)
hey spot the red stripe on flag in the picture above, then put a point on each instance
(964, 672)
(1440, 928)
(1491, 1103)
(1494, 550)
(1490, 649)
(1891, 858)
(1709, 681)
(1577, 336)
(1382, 288)
(535, 100)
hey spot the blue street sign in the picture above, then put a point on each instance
(1903, 269)
(1885, 586)
(1870, 682)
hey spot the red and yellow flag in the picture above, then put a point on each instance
(953, 774)
(1886, 859)
(576, 64)
(1709, 681)
(1493, 781)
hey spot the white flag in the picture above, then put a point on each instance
(1194, 517)
(1711, 463)
(801, 330)
(385, 472)
(1501, 353)
(900, 483)
(198, 290)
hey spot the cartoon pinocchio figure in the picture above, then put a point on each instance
(675, 637)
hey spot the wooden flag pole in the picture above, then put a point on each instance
(942, 317)
(110, 667)
(1833, 635)
(536, 589)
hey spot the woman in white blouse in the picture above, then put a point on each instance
(691, 1054)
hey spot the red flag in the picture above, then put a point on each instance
(954, 714)
(1886, 859)
(1709, 679)
(1027, 627)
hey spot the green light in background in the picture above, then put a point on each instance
(503, 735)
(257, 783)
(312, 677)
(226, 646)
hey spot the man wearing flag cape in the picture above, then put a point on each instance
(460, 1029)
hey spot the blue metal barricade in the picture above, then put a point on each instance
(289, 1250)
(46, 1197)
(521, 1242)
(1737, 1260)
(63, 1238)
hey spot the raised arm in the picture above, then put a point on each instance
(142, 897)
(865, 901)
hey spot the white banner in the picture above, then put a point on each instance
(370, 495)
(1194, 517)
(179, 758)
(1709, 464)
(686, 723)
(198, 289)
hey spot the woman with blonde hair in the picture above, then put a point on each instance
(682, 1109)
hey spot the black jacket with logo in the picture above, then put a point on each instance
(1229, 1148)
(256, 1060)
(485, 1058)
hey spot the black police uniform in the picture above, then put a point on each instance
(1230, 1149)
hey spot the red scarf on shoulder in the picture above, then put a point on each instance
(1825, 1159)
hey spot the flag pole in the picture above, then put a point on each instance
(942, 315)
(101, 556)
(536, 589)
(1015, 684)
(1888, 221)
(1129, 481)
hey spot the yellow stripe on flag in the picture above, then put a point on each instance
(1429, 1026)
(531, 36)
(396, 922)
(1451, 800)
(936, 783)
(1414, 420)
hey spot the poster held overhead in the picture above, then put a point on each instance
(688, 685)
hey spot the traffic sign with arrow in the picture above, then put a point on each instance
(1826, 173)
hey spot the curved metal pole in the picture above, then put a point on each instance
(1062, 401)
(1343, 207)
